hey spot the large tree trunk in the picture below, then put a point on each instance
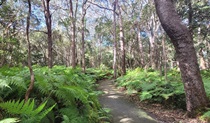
(30, 88)
(122, 43)
(182, 40)
(46, 5)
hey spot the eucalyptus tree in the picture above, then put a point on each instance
(72, 15)
(29, 53)
(122, 40)
(84, 11)
(183, 42)
(48, 21)
(115, 40)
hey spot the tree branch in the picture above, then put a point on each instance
(102, 7)
(39, 31)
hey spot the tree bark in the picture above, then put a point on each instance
(48, 20)
(164, 57)
(30, 88)
(83, 34)
(122, 42)
(141, 54)
(73, 35)
(115, 42)
(182, 40)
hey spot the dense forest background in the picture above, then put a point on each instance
(95, 37)
(145, 43)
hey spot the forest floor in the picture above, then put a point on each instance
(128, 109)
(122, 110)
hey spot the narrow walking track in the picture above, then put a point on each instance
(122, 110)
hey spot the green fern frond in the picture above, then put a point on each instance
(71, 92)
(17, 81)
(45, 112)
(40, 108)
(37, 118)
(27, 109)
(4, 84)
(10, 120)
(17, 107)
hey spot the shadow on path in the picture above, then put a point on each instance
(122, 110)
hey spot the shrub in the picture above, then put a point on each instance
(69, 88)
(153, 87)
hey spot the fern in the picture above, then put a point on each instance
(26, 109)
(10, 120)
(206, 116)
(151, 86)
(69, 93)
(145, 96)
(69, 88)
(17, 107)
(4, 84)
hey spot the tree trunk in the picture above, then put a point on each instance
(202, 59)
(164, 57)
(46, 5)
(30, 88)
(115, 42)
(140, 47)
(83, 34)
(122, 42)
(182, 40)
(190, 16)
(73, 36)
(152, 50)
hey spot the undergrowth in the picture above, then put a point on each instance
(153, 87)
(150, 86)
(71, 90)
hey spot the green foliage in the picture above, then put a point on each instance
(72, 91)
(26, 110)
(10, 120)
(100, 73)
(153, 87)
(206, 116)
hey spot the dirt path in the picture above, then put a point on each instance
(122, 110)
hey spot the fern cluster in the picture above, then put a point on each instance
(100, 73)
(69, 88)
(151, 86)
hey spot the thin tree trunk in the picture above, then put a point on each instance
(190, 16)
(183, 42)
(46, 5)
(122, 42)
(99, 59)
(164, 58)
(83, 34)
(152, 50)
(73, 29)
(140, 47)
(115, 42)
(152, 42)
(202, 59)
(30, 88)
